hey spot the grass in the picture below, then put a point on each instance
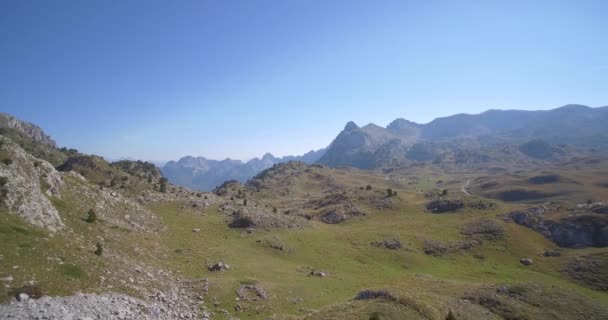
(344, 251)
(73, 271)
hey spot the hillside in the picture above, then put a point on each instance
(302, 241)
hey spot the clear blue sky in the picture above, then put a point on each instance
(161, 79)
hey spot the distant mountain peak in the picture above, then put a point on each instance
(350, 126)
(268, 156)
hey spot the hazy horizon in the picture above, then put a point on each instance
(157, 81)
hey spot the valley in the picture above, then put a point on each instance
(416, 240)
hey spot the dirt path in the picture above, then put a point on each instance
(464, 187)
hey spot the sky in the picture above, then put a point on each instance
(158, 80)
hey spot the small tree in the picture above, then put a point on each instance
(389, 192)
(99, 250)
(92, 216)
(245, 202)
(444, 192)
(163, 185)
(274, 210)
(149, 179)
(368, 187)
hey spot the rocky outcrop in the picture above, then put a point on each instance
(29, 129)
(251, 217)
(341, 213)
(444, 205)
(142, 169)
(28, 183)
(573, 231)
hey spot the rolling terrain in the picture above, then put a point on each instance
(412, 240)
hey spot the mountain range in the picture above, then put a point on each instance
(487, 136)
(497, 139)
(205, 174)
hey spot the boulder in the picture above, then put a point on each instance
(220, 266)
(526, 261)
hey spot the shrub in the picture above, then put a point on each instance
(444, 192)
(375, 294)
(245, 202)
(99, 250)
(368, 187)
(92, 216)
(389, 192)
(274, 210)
(3, 181)
(163, 185)
(31, 290)
(7, 161)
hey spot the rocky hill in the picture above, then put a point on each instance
(32, 139)
(29, 129)
(204, 174)
(493, 134)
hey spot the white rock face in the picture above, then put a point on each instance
(86, 306)
(29, 181)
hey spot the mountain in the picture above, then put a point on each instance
(204, 174)
(29, 129)
(493, 134)
(93, 239)
(33, 139)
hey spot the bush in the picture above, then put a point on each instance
(99, 250)
(163, 185)
(375, 294)
(389, 192)
(7, 161)
(245, 202)
(368, 187)
(92, 216)
(274, 210)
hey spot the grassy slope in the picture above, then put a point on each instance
(343, 250)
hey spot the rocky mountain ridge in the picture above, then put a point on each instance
(403, 141)
(204, 174)
(31, 130)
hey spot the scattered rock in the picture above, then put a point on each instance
(196, 230)
(484, 227)
(317, 273)
(220, 266)
(441, 205)
(526, 261)
(341, 213)
(251, 293)
(392, 244)
(552, 253)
